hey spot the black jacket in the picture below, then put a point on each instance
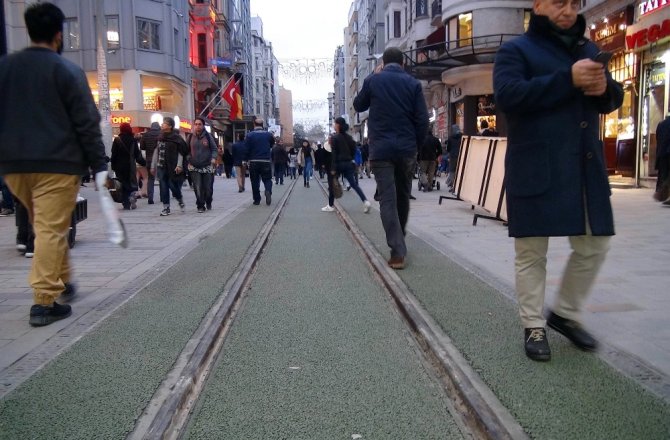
(344, 148)
(48, 120)
(149, 141)
(430, 149)
(125, 153)
(174, 147)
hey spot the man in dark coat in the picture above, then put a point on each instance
(453, 149)
(168, 164)
(428, 153)
(257, 154)
(398, 124)
(662, 193)
(148, 145)
(552, 93)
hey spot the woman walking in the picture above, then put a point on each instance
(343, 151)
(125, 154)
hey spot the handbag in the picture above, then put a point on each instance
(337, 187)
(114, 187)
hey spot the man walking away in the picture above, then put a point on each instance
(662, 193)
(148, 144)
(428, 153)
(279, 159)
(453, 149)
(398, 123)
(202, 164)
(553, 94)
(257, 153)
(43, 163)
(238, 161)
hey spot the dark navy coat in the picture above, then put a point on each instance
(554, 166)
(398, 120)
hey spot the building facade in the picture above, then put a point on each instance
(147, 43)
(286, 115)
(265, 68)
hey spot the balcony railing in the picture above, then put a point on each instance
(428, 62)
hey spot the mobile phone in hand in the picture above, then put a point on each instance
(603, 58)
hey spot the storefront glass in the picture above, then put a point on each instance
(653, 111)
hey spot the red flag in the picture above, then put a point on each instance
(234, 99)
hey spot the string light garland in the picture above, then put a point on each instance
(306, 69)
(310, 104)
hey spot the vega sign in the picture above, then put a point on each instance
(644, 33)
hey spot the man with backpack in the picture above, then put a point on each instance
(202, 164)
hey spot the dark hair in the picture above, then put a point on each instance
(44, 21)
(169, 121)
(393, 55)
(484, 124)
(342, 123)
(201, 119)
(240, 136)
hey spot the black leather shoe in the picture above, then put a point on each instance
(537, 346)
(44, 315)
(268, 197)
(573, 331)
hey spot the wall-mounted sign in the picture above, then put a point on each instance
(117, 120)
(610, 33)
(185, 124)
(649, 6)
(646, 32)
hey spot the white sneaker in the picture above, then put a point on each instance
(366, 206)
(328, 208)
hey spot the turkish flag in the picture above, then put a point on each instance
(234, 99)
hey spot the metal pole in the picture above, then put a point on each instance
(104, 105)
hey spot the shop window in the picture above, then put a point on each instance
(397, 31)
(148, 34)
(177, 55)
(460, 31)
(202, 51)
(526, 19)
(620, 123)
(70, 34)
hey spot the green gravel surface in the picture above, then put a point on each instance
(574, 396)
(100, 386)
(317, 350)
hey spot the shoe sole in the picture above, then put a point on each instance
(41, 321)
(539, 357)
(581, 347)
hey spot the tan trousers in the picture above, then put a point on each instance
(50, 200)
(588, 254)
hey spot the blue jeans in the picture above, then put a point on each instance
(260, 171)
(307, 173)
(166, 185)
(280, 170)
(394, 185)
(346, 170)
